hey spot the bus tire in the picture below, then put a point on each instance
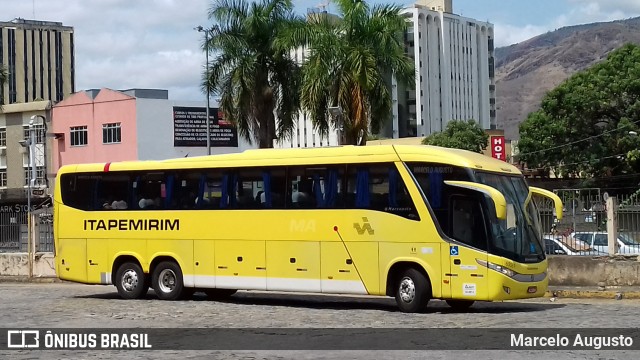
(413, 291)
(167, 281)
(460, 305)
(219, 294)
(131, 282)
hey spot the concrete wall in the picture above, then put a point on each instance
(589, 271)
(17, 264)
(155, 131)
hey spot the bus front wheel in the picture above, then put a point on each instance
(413, 291)
(167, 281)
(131, 282)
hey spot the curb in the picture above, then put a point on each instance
(593, 294)
(26, 279)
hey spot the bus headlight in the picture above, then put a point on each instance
(499, 268)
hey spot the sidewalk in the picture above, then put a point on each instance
(25, 279)
(588, 292)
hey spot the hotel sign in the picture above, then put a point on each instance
(498, 148)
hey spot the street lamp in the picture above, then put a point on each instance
(206, 50)
(29, 143)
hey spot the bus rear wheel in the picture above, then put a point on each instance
(131, 282)
(460, 305)
(167, 281)
(413, 291)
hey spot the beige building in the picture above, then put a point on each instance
(39, 59)
(14, 152)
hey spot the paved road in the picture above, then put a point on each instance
(73, 305)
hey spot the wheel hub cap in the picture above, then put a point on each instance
(130, 280)
(167, 280)
(407, 290)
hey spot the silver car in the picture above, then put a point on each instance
(556, 246)
(599, 240)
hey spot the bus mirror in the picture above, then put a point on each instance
(548, 194)
(496, 196)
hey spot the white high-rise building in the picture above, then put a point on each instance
(455, 72)
(454, 79)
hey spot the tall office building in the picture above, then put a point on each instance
(454, 63)
(455, 72)
(39, 58)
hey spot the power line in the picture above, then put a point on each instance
(575, 142)
(579, 162)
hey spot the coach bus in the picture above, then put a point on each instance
(411, 222)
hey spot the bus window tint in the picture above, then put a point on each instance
(431, 179)
(112, 191)
(150, 191)
(79, 191)
(253, 188)
(315, 187)
(379, 187)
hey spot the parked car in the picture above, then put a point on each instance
(599, 240)
(556, 246)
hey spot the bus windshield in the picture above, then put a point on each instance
(521, 239)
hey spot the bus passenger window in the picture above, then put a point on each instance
(380, 187)
(315, 187)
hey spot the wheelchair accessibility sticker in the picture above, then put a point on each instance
(453, 250)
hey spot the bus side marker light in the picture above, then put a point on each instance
(506, 289)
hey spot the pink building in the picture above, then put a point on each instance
(100, 129)
(138, 124)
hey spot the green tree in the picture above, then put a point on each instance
(350, 60)
(585, 127)
(460, 134)
(258, 84)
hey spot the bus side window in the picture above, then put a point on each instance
(315, 187)
(75, 187)
(379, 187)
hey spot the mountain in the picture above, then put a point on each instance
(526, 71)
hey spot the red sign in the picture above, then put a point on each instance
(498, 148)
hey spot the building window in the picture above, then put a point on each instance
(79, 136)
(3, 137)
(39, 133)
(111, 133)
(40, 175)
(3, 178)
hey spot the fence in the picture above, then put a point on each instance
(14, 231)
(587, 222)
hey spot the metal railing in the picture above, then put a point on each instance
(584, 227)
(14, 231)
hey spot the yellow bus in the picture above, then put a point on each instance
(411, 222)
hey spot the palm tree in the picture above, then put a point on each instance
(350, 61)
(257, 82)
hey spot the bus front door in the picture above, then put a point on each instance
(468, 278)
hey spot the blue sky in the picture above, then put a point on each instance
(123, 44)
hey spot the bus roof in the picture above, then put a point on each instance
(312, 156)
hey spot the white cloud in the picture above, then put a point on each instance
(582, 12)
(123, 44)
(508, 34)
